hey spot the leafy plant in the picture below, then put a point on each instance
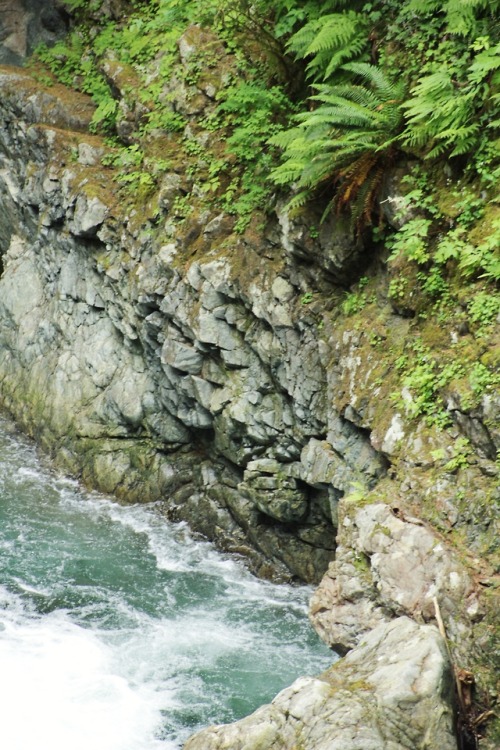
(484, 308)
(481, 379)
(355, 301)
(329, 42)
(346, 144)
(462, 16)
(252, 112)
(461, 452)
(411, 240)
(424, 377)
(255, 113)
(443, 113)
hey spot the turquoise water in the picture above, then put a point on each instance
(119, 631)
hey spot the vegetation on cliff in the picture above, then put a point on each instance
(388, 112)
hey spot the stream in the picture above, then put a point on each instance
(120, 630)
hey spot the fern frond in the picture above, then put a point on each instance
(284, 138)
(299, 200)
(461, 16)
(336, 31)
(346, 142)
(376, 78)
(438, 149)
(329, 41)
(484, 63)
(358, 94)
(345, 115)
(288, 173)
(348, 52)
(304, 37)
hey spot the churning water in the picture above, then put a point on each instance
(119, 631)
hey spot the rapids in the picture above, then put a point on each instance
(120, 631)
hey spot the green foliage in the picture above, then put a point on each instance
(428, 240)
(484, 308)
(355, 301)
(71, 64)
(255, 113)
(252, 112)
(447, 54)
(347, 141)
(355, 121)
(462, 17)
(329, 42)
(481, 379)
(482, 259)
(445, 111)
(81, 4)
(461, 453)
(411, 241)
(424, 378)
(137, 174)
(290, 15)
(398, 288)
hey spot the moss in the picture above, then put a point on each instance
(362, 563)
(485, 227)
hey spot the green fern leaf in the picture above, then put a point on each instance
(335, 31)
(484, 63)
(349, 51)
(329, 41)
(376, 79)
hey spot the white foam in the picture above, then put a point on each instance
(59, 690)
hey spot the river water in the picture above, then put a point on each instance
(119, 631)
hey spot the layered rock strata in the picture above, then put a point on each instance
(201, 383)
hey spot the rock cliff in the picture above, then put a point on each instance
(158, 354)
(26, 23)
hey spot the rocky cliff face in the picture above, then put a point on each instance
(202, 382)
(159, 355)
(24, 24)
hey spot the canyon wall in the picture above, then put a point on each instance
(157, 354)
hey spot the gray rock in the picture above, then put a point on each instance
(387, 565)
(24, 24)
(393, 692)
(88, 216)
(182, 357)
(88, 155)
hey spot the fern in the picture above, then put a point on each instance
(462, 16)
(329, 41)
(344, 145)
(289, 14)
(443, 114)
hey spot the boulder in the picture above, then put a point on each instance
(390, 693)
(388, 564)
